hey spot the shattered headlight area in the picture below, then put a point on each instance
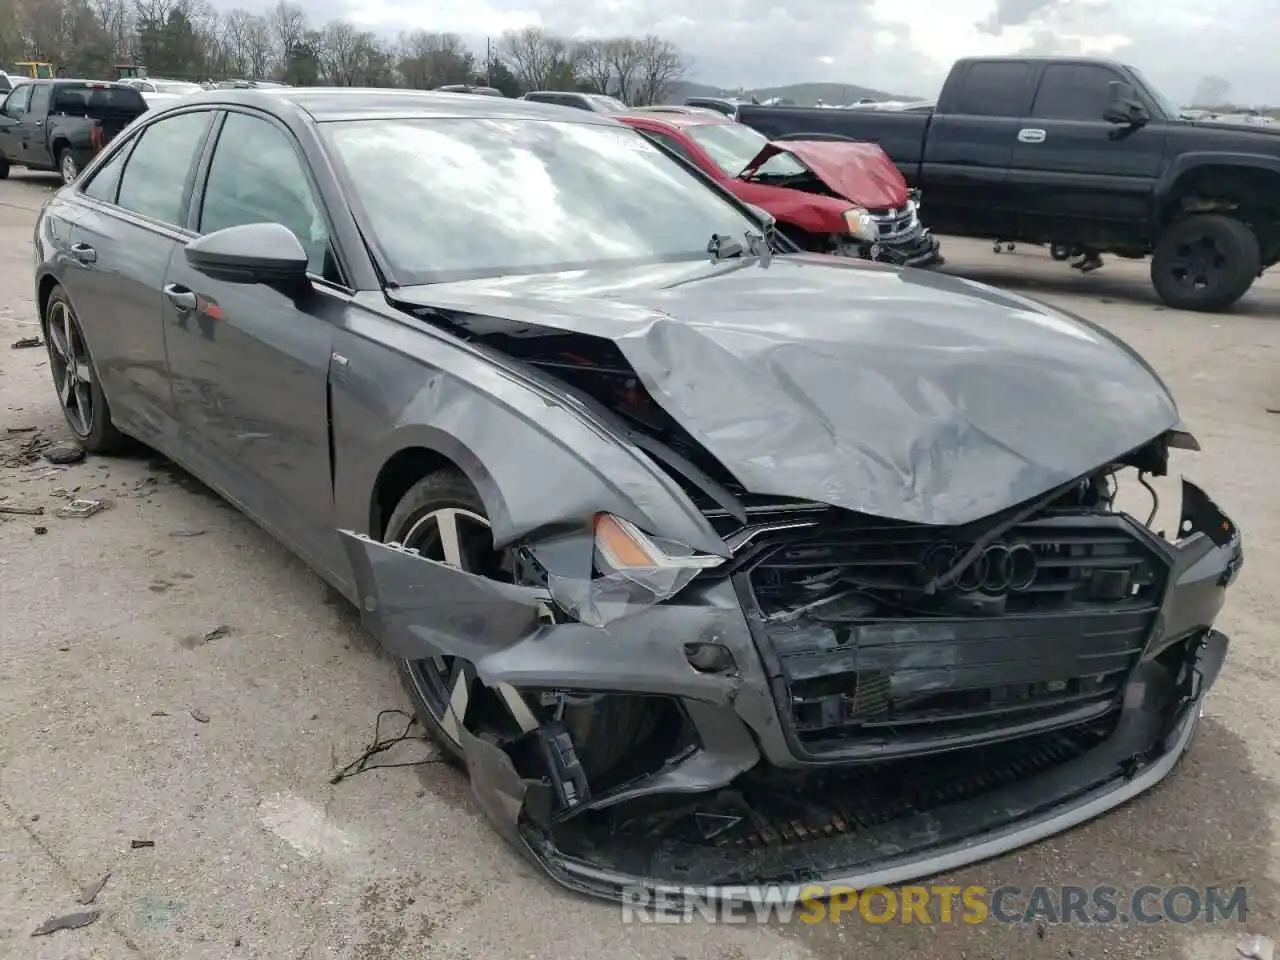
(839, 699)
(621, 572)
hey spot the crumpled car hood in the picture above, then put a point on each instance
(860, 172)
(904, 394)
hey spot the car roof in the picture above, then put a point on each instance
(368, 103)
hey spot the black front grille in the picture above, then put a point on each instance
(869, 662)
(898, 223)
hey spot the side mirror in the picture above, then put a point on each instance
(267, 253)
(1124, 106)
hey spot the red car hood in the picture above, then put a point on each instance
(860, 172)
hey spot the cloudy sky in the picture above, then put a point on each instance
(904, 46)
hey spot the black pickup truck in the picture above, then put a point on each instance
(1081, 153)
(60, 124)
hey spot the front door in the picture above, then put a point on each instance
(249, 364)
(32, 128)
(11, 115)
(1074, 172)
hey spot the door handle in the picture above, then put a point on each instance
(84, 253)
(180, 297)
(1031, 135)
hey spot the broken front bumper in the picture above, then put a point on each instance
(739, 805)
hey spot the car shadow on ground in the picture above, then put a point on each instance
(1207, 825)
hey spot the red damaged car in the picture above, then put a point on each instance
(828, 196)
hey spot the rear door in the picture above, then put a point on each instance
(33, 128)
(123, 240)
(1073, 173)
(249, 363)
(968, 149)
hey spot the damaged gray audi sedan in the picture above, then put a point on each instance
(712, 563)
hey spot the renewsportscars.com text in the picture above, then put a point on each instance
(938, 904)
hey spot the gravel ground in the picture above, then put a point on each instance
(171, 675)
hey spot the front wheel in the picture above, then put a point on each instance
(1060, 252)
(443, 518)
(1205, 262)
(4, 169)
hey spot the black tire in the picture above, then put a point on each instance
(68, 168)
(1205, 262)
(4, 169)
(1060, 252)
(621, 721)
(93, 428)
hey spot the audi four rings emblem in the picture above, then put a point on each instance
(1000, 568)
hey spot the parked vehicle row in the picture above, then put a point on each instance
(679, 538)
(1080, 153)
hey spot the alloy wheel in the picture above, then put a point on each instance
(72, 372)
(69, 169)
(461, 538)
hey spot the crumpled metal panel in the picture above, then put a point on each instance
(899, 393)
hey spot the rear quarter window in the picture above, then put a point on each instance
(994, 89)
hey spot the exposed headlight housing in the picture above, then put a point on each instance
(631, 571)
(861, 224)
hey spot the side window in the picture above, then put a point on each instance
(994, 90)
(671, 143)
(16, 105)
(106, 179)
(257, 177)
(155, 176)
(39, 103)
(1074, 91)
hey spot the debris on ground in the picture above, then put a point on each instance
(89, 892)
(26, 343)
(159, 713)
(1256, 947)
(141, 844)
(28, 451)
(79, 509)
(199, 716)
(381, 744)
(68, 921)
(12, 430)
(24, 511)
(186, 533)
(40, 531)
(200, 639)
(64, 453)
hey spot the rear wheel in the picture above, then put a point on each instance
(67, 165)
(4, 169)
(76, 378)
(1060, 251)
(1205, 262)
(443, 518)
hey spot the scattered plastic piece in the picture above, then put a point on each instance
(79, 509)
(89, 892)
(68, 921)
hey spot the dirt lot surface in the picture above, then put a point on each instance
(171, 675)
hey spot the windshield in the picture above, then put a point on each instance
(734, 145)
(612, 104)
(1166, 105)
(456, 198)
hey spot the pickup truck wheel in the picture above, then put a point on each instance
(67, 165)
(1060, 252)
(1205, 262)
(4, 169)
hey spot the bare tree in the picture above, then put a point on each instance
(260, 48)
(339, 53)
(288, 29)
(624, 57)
(426, 60)
(595, 71)
(535, 57)
(661, 65)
